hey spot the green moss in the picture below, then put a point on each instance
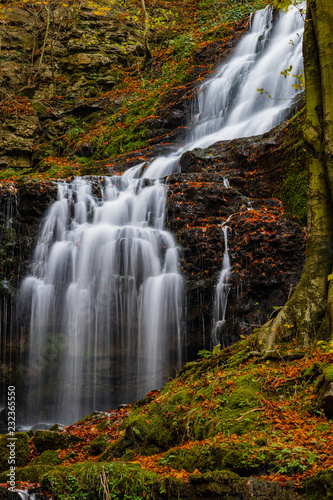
(48, 457)
(18, 450)
(294, 180)
(329, 373)
(93, 481)
(156, 427)
(319, 487)
(51, 440)
(243, 398)
(99, 444)
(104, 424)
(201, 458)
(31, 473)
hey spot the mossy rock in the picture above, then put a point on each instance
(56, 427)
(224, 483)
(328, 372)
(156, 428)
(243, 398)
(320, 486)
(50, 440)
(19, 450)
(202, 458)
(84, 481)
(48, 457)
(228, 485)
(104, 424)
(240, 460)
(130, 440)
(98, 445)
(31, 473)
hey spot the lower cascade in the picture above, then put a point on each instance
(103, 308)
(105, 299)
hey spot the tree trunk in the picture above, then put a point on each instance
(148, 56)
(309, 312)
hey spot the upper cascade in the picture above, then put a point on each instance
(247, 95)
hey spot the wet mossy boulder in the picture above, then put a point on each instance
(319, 486)
(226, 484)
(51, 440)
(129, 441)
(200, 458)
(98, 445)
(30, 473)
(48, 457)
(14, 447)
(91, 481)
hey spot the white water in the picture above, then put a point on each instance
(105, 298)
(229, 104)
(222, 291)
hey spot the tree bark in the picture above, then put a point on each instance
(309, 312)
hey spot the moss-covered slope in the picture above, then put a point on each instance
(233, 423)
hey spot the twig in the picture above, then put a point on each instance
(249, 411)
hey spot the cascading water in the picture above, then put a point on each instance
(222, 291)
(229, 104)
(105, 297)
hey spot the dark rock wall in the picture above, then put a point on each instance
(266, 245)
(21, 208)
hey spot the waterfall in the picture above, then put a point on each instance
(104, 301)
(229, 104)
(222, 291)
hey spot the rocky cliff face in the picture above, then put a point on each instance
(57, 72)
(266, 244)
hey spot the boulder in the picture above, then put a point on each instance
(52, 440)
(18, 449)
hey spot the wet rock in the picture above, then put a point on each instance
(99, 444)
(266, 246)
(191, 162)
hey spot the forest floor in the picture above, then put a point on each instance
(226, 425)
